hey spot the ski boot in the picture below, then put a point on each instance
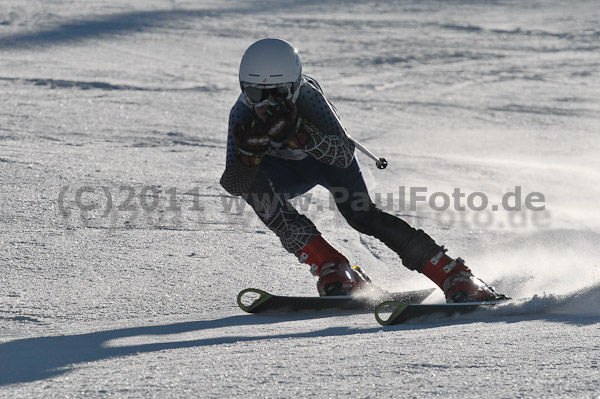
(457, 280)
(336, 276)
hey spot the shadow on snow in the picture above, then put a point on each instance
(108, 24)
(38, 358)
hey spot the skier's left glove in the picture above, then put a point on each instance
(302, 136)
(282, 122)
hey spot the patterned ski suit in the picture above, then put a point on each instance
(328, 160)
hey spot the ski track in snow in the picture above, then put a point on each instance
(121, 255)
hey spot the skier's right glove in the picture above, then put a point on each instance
(252, 141)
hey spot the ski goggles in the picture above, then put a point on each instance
(259, 95)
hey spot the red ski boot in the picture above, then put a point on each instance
(336, 276)
(457, 280)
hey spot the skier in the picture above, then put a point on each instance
(285, 138)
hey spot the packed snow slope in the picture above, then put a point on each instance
(121, 255)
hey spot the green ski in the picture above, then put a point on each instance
(253, 300)
(400, 311)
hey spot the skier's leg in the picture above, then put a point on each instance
(352, 199)
(268, 196)
(416, 248)
(277, 182)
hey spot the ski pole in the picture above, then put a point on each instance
(380, 162)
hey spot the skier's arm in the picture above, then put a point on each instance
(237, 178)
(331, 149)
(245, 147)
(327, 139)
(287, 127)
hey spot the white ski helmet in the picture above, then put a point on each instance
(270, 70)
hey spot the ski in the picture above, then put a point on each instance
(253, 300)
(400, 312)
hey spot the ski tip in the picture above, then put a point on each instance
(251, 298)
(387, 312)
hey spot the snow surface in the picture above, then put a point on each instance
(125, 104)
